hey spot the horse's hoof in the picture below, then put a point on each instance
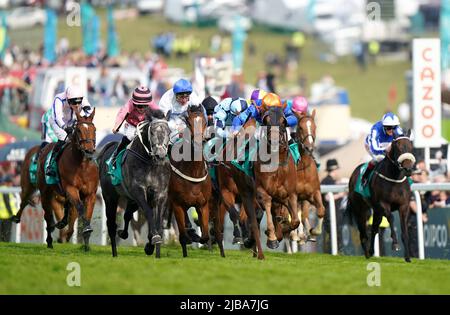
(59, 240)
(204, 240)
(395, 247)
(149, 248)
(237, 240)
(86, 248)
(50, 246)
(311, 238)
(407, 259)
(122, 234)
(87, 229)
(194, 236)
(156, 239)
(315, 232)
(15, 219)
(301, 242)
(273, 244)
(61, 224)
(249, 243)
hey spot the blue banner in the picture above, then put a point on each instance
(238, 39)
(50, 35)
(4, 39)
(445, 34)
(90, 29)
(113, 43)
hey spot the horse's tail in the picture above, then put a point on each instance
(348, 212)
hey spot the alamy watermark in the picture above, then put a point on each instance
(373, 10)
(374, 277)
(73, 279)
(74, 14)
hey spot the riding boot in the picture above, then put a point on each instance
(122, 145)
(55, 152)
(365, 177)
(38, 153)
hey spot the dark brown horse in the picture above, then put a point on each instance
(235, 186)
(276, 173)
(190, 183)
(390, 191)
(79, 179)
(308, 183)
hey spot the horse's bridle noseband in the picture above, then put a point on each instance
(401, 158)
(309, 134)
(79, 141)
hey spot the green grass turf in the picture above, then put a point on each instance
(368, 91)
(34, 269)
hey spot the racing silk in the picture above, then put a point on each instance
(174, 112)
(133, 118)
(223, 118)
(377, 140)
(48, 135)
(62, 116)
(252, 112)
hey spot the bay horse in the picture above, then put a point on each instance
(308, 182)
(145, 173)
(390, 191)
(235, 186)
(190, 183)
(79, 180)
(276, 180)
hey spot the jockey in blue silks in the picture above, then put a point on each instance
(224, 114)
(379, 139)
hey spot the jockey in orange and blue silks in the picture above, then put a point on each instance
(379, 139)
(254, 111)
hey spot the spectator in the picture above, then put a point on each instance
(332, 178)
(104, 87)
(441, 168)
(8, 208)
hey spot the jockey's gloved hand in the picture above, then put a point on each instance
(69, 130)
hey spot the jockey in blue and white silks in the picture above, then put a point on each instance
(174, 103)
(253, 111)
(225, 113)
(379, 139)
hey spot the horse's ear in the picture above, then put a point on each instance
(313, 114)
(91, 116)
(408, 133)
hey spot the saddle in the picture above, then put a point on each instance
(116, 173)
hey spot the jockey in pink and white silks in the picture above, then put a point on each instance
(130, 115)
(174, 103)
(61, 118)
(379, 140)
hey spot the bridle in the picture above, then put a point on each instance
(404, 156)
(79, 141)
(155, 123)
(301, 141)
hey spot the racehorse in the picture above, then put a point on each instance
(78, 174)
(276, 180)
(308, 183)
(390, 191)
(190, 183)
(145, 172)
(233, 191)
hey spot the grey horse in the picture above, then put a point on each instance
(146, 174)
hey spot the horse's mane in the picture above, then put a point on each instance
(196, 108)
(154, 114)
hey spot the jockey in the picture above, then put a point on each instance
(174, 103)
(300, 105)
(257, 94)
(225, 113)
(61, 118)
(379, 139)
(132, 113)
(255, 111)
(209, 103)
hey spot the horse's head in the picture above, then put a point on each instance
(401, 153)
(196, 122)
(84, 135)
(306, 131)
(275, 122)
(158, 133)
